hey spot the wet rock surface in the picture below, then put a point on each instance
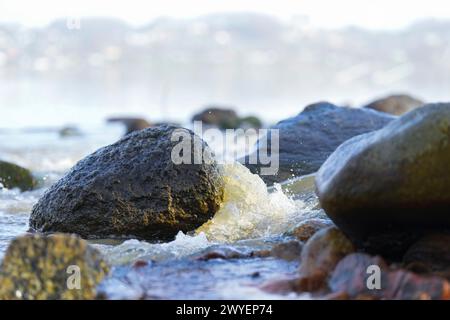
(37, 267)
(306, 140)
(320, 255)
(387, 188)
(14, 176)
(430, 255)
(306, 229)
(396, 104)
(132, 188)
(352, 278)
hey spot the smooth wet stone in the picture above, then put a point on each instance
(306, 140)
(386, 188)
(352, 277)
(132, 188)
(14, 176)
(306, 229)
(37, 267)
(396, 104)
(321, 254)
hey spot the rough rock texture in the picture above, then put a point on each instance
(384, 189)
(395, 104)
(306, 229)
(36, 267)
(322, 253)
(133, 188)
(13, 176)
(351, 276)
(306, 140)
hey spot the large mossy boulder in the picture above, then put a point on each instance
(14, 176)
(397, 104)
(386, 188)
(61, 266)
(133, 188)
(306, 140)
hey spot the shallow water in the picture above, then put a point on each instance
(252, 217)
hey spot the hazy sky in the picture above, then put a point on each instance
(380, 14)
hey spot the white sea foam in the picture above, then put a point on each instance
(132, 250)
(249, 210)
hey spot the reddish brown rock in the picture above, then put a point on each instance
(306, 229)
(351, 276)
(320, 256)
(289, 251)
(430, 254)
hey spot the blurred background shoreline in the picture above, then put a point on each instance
(171, 68)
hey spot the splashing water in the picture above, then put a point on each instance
(132, 250)
(249, 210)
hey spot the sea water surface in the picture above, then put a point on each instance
(253, 217)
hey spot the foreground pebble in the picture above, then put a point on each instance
(320, 255)
(351, 276)
(60, 266)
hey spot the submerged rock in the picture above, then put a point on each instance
(14, 176)
(131, 124)
(306, 140)
(60, 266)
(395, 104)
(384, 189)
(132, 188)
(321, 254)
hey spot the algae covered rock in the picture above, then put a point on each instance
(133, 188)
(14, 176)
(61, 266)
(387, 188)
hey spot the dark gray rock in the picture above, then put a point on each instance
(395, 104)
(306, 141)
(132, 188)
(386, 188)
